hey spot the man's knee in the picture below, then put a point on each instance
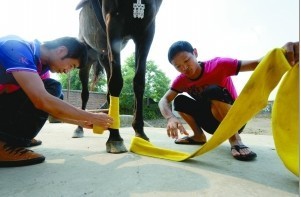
(215, 92)
(179, 100)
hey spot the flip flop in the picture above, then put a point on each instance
(189, 141)
(247, 157)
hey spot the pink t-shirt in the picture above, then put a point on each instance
(217, 71)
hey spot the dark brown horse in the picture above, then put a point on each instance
(106, 26)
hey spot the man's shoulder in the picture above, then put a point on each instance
(216, 59)
(11, 44)
(11, 38)
(220, 61)
(180, 80)
(180, 77)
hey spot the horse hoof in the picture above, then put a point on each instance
(78, 133)
(116, 147)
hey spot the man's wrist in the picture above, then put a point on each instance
(169, 117)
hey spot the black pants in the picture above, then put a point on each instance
(200, 109)
(20, 121)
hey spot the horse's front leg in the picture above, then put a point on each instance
(115, 143)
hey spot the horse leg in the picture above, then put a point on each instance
(104, 63)
(114, 143)
(143, 44)
(84, 78)
(139, 86)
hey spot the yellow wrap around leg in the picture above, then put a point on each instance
(114, 113)
(251, 100)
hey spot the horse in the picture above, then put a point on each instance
(106, 26)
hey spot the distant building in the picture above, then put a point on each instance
(96, 99)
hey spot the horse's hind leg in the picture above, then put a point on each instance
(143, 44)
(84, 78)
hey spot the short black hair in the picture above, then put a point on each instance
(177, 47)
(76, 48)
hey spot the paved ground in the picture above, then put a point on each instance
(81, 167)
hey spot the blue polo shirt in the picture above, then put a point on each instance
(17, 54)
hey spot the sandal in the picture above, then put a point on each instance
(188, 141)
(247, 157)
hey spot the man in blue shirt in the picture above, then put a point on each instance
(28, 94)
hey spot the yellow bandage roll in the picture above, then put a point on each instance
(285, 120)
(98, 129)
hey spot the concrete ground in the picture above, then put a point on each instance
(81, 167)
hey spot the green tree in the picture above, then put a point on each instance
(75, 84)
(70, 78)
(156, 84)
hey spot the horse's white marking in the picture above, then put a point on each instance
(138, 9)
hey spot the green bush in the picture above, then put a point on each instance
(152, 112)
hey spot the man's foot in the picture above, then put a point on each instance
(189, 140)
(242, 153)
(34, 142)
(13, 156)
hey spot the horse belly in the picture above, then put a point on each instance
(91, 31)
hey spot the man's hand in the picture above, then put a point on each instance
(173, 126)
(292, 52)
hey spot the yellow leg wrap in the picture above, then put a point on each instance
(114, 113)
(98, 129)
(251, 100)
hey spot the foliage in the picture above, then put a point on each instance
(156, 84)
(70, 78)
(75, 84)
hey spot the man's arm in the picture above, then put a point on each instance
(34, 88)
(165, 104)
(248, 65)
(173, 123)
(291, 54)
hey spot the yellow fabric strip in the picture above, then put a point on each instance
(143, 147)
(251, 100)
(114, 113)
(285, 120)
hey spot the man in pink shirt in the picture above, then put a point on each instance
(210, 94)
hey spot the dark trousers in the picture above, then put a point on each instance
(20, 121)
(200, 109)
